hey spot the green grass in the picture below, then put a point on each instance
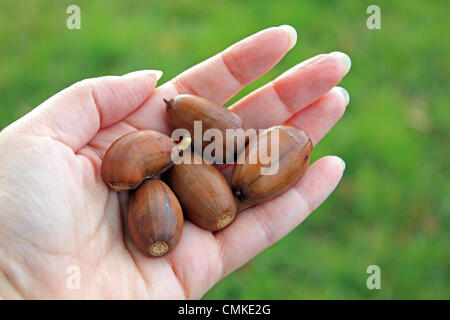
(392, 208)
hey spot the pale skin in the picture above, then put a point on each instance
(56, 212)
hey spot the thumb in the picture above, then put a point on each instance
(74, 115)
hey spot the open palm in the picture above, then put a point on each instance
(56, 212)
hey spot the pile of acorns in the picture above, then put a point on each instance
(139, 162)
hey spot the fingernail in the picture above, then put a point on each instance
(292, 33)
(345, 59)
(344, 92)
(342, 163)
(157, 73)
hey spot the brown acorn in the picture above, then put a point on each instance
(184, 109)
(249, 183)
(204, 193)
(134, 157)
(155, 218)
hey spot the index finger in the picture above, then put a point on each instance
(223, 75)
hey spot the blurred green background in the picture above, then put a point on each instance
(392, 208)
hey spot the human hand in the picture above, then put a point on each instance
(55, 210)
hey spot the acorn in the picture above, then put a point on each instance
(203, 192)
(155, 218)
(184, 109)
(135, 157)
(254, 182)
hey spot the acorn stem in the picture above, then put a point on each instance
(168, 104)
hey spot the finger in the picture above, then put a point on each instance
(223, 75)
(74, 115)
(217, 79)
(294, 90)
(318, 118)
(259, 227)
